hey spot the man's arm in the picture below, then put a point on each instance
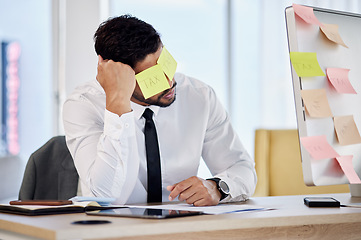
(118, 82)
(225, 155)
(103, 143)
(227, 160)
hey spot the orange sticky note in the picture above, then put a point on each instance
(318, 147)
(338, 77)
(316, 103)
(331, 32)
(347, 167)
(306, 13)
(346, 130)
(306, 64)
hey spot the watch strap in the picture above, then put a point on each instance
(217, 180)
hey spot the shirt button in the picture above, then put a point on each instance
(126, 125)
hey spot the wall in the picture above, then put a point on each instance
(29, 23)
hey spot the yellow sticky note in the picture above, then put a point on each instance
(331, 32)
(306, 64)
(346, 130)
(169, 65)
(152, 81)
(316, 103)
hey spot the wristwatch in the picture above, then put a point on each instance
(222, 187)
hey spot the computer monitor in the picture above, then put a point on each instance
(305, 37)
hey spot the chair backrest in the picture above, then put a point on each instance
(11, 171)
(279, 167)
(50, 173)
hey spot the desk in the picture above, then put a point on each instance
(291, 219)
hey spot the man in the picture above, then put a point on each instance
(105, 128)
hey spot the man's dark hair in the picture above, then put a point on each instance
(126, 39)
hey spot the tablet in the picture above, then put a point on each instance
(143, 213)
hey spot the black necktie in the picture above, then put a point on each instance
(153, 158)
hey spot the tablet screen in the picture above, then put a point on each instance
(144, 213)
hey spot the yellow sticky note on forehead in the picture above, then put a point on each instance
(152, 81)
(169, 65)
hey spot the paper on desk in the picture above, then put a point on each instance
(219, 209)
(100, 200)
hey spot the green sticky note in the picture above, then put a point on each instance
(169, 65)
(152, 81)
(306, 64)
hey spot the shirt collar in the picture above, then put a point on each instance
(138, 110)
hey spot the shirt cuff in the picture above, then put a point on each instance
(115, 126)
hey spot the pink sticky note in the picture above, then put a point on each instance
(318, 147)
(338, 77)
(306, 13)
(347, 167)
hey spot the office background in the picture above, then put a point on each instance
(239, 47)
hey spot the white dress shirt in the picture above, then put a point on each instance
(109, 151)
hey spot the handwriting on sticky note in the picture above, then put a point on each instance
(318, 147)
(316, 103)
(306, 64)
(338, 77)
(331, 32)
(168, 63)
(346, 130)
(152, 81)
(306, 13)
(347, 167)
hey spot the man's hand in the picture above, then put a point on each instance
(196, 191)
(118, 82)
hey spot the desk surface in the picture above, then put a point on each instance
(289, 219)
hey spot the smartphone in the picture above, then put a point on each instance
(321, 202)
(41, 202)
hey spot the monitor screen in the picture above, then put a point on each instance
(326, 109)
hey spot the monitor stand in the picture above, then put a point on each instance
(355, 190)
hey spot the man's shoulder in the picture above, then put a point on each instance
(87, 89)
(190, 83)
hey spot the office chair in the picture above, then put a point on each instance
(50, 173)
(279, 167)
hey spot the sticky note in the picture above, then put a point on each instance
(306, 13)
(318, 147)
(316, 103)
(306, 64)
(347, 167)
(346, 130)
(331, 32)
(169, 65)
(152, 81)
(338, 77)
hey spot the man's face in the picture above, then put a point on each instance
(163, 99)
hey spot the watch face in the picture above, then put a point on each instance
(224, 187)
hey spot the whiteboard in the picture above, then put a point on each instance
(303, 37)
